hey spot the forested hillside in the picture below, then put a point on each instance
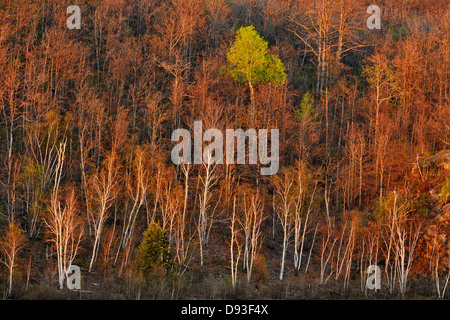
(87, 174)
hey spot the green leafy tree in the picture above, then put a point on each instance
(250, 63)
(154, 250)
(306, 110)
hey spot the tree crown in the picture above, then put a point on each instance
(249, 60)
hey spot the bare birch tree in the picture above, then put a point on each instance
(284, 204)
(137, 185)
(63, 223)
(251, 225)
(329, 240)
(235, 245)
(302, 211)
(12, 241)
(206, 214)
(102, 195)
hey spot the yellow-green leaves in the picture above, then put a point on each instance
(250, 62)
